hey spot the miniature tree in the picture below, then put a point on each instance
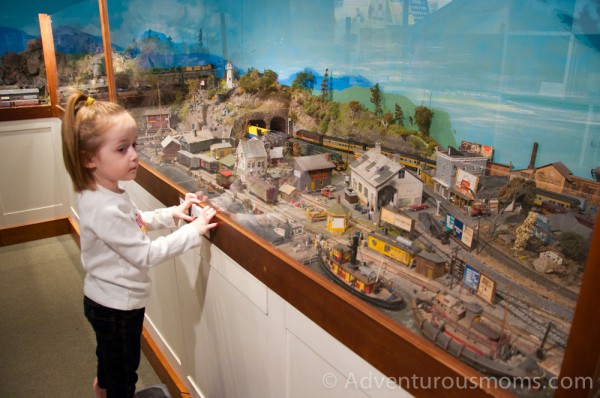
(573, 245)
(517, 191)
(524, 232)
(268, 79)
(399, 115)
(304, 80)
(423, 119)
(325, 86)
(387, 119)
(377, 99)
(249, 81)
(355, 108)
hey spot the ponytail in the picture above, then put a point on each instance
(84, 121)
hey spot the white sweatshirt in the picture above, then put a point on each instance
(116, 251)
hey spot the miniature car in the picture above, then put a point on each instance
(360, 208)
(331, 188)
(327, 193)
(549, 207)
(420, 206)
(480, 211)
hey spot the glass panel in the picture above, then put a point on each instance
(22, 68)
(438, 158)
(79, 49)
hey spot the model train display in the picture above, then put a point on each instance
(413, 162)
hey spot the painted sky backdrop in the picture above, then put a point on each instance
(507, 72)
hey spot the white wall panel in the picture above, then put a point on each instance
(229, 336)
(321, 366)
(33, 179)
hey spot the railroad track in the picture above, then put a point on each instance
(531, 274)
(506, 288)
(538, 323)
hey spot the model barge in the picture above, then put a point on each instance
(462, 330)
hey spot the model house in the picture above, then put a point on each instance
(313, 172)
(252, 158)
(379, 181)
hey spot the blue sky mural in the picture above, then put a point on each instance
(506, 73)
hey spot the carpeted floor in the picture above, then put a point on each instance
(46, 344)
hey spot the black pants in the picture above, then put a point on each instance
(118, 335)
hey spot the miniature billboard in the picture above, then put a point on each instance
(471, 278)
(486, 289)
(403, 222)
(466, 183)
(449, 221)
(467, 236)
(477, 149)
(461, 231)
(458, 228)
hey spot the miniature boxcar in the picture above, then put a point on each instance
(262, 189)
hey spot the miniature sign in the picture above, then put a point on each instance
(487, 288)
(471, 278)
(467, 236)
(477, 149)
(466, 183)
(403, 222)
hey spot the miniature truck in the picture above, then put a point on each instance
(327, 193)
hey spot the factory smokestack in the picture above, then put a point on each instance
(533, 155)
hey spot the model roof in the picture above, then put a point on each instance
(198, 136)
(287, 189)
(253, 149)
(314, 162)
(375, 167)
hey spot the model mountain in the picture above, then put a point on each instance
(13, 40)
(338, 82)
(71, 40)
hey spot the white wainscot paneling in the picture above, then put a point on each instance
(320, 366)
(235, 346)
(33, 179)
(163, 312)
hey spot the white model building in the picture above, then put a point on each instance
(380, 181)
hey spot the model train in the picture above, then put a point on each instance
(554, 202)
(264, 190)
(19, 97)
(401, 250)
(180, 69)
(413, 162)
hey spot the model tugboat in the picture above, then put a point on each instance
(462, 330)
(363, 280)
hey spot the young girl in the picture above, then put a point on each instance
(99, 141)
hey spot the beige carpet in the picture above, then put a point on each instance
(46, 344)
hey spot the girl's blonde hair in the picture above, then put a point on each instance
(84, 123)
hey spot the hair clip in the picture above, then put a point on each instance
(89, 101)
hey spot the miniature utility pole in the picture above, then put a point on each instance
(540, 352)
